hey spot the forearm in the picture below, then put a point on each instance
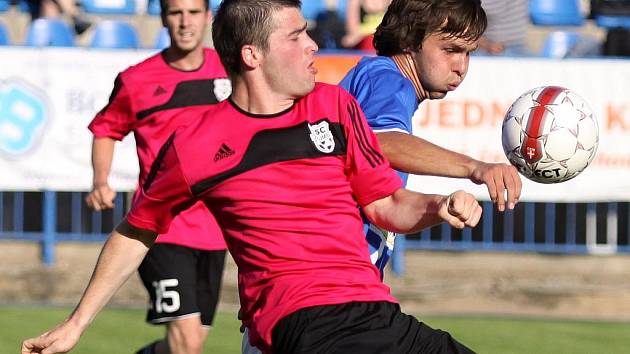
(411, 154)
(353, 16)
(102, 156)
(406, 211)
(120, 257)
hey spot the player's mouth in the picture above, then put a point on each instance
(186, 35)
(452, 87)
(312, 69)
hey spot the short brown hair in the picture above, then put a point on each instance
(241, 22)
(408, 22)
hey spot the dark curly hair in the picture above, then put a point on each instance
(408, 22)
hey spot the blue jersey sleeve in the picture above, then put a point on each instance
(386, 97)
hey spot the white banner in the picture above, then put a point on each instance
(48, 97)
(469, 121)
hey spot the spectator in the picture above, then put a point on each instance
(507, 27)
(329, 27)
(362, 18)
(57, 8)
(617, 39)
(617, 42)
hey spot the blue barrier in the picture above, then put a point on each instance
(64, 217)
(565, 228)
(52, 217)
(49, 228)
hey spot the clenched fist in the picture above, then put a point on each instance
(460, 209)
(101, 198)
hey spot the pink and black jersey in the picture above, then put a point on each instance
(285, 189)
(147, 100)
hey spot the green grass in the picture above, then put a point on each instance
(114, 330)
(511, 336)
(124, 331)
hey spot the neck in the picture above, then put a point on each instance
(255, 97)
(186, 61)
(407, 67)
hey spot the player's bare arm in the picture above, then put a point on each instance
(120, 257)
(402, 151)
(102, 196)
(406, 211)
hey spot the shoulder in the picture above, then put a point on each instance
(331, 101)
(371, 72)
(322, 88)
(377, 64)
(383, 70)
(324, 92)
(212, 64)
(190, 143)
(140, 71)
(201, 128)
(211, 54)
(148, 63)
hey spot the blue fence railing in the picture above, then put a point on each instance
(531, 227)
(52, 217)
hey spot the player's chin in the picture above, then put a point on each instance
(187, 45)
(302, 90)
(308, 87)
(437, 95)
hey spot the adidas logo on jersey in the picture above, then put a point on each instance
(224, 151)
(159, 91)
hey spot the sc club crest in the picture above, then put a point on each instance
(222, 89)
(322, 137)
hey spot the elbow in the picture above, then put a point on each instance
(147, 237)
(383, 213)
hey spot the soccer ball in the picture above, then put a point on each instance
(550, 134)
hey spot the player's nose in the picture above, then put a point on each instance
(460, 65)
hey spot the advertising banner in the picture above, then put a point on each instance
(47, 99)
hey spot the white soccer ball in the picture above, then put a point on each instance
(550, 134)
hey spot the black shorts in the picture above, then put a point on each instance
(182, 282)
(359, 327)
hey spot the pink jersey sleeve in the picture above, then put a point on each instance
(164, 194)
(369, 172)
(117, 118)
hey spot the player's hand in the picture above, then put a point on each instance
(101, 198)
(499, 177)
(460, 209)
(60, 340)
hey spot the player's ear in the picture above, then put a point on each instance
(411, 50)
(251, 56)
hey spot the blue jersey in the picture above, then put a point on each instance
(389, 101)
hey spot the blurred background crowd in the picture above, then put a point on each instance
(549, 28)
